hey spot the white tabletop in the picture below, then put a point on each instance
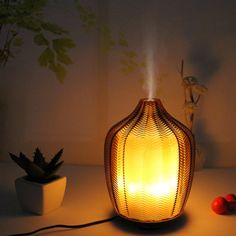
(87, 200)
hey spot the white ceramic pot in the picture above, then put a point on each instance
(40, 198)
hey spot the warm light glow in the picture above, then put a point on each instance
(149, 165)
(151, 169)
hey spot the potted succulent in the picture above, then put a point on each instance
(41, 190)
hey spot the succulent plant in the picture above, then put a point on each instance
(39, 170)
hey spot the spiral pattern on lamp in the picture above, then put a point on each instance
(149, 164)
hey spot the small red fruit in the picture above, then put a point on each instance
(231, 199)
(219, 205)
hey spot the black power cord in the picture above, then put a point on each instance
(67, 226)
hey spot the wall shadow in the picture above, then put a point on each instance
(9, 205)
(205, 65)
(206, 143)
(203, 60)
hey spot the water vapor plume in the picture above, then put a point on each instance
(150, 83)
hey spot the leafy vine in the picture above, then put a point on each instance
(28, 15)
(193, 90)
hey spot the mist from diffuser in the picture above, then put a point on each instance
(150, 82)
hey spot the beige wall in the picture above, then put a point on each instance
(38, 111)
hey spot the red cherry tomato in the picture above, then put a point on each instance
(219, 205)
(231, 199)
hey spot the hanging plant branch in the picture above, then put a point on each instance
(192, 93)
(28, 15)
(53, 39)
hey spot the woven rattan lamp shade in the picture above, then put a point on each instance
(149, 164)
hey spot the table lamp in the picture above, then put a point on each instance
(149, 164)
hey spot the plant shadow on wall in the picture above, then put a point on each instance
(206, 64)
(54, 40)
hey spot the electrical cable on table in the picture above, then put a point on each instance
(66, 226)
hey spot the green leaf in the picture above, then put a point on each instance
(34, 171)
(40, 40)
(129, 61)
(33, 6)
(107, 39)
(47, 57)
(23, 156)
(30, 168)
(53, 28)
(22, 161)
(59, 70)
(199, 89)
(54, 160)
(43, 61)
(39, 159)
(87, 16)
(53, 170)
(190, 107)
(61, 43)
(29, 23)
(189, 80)
(57, 46)
(64, 58)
